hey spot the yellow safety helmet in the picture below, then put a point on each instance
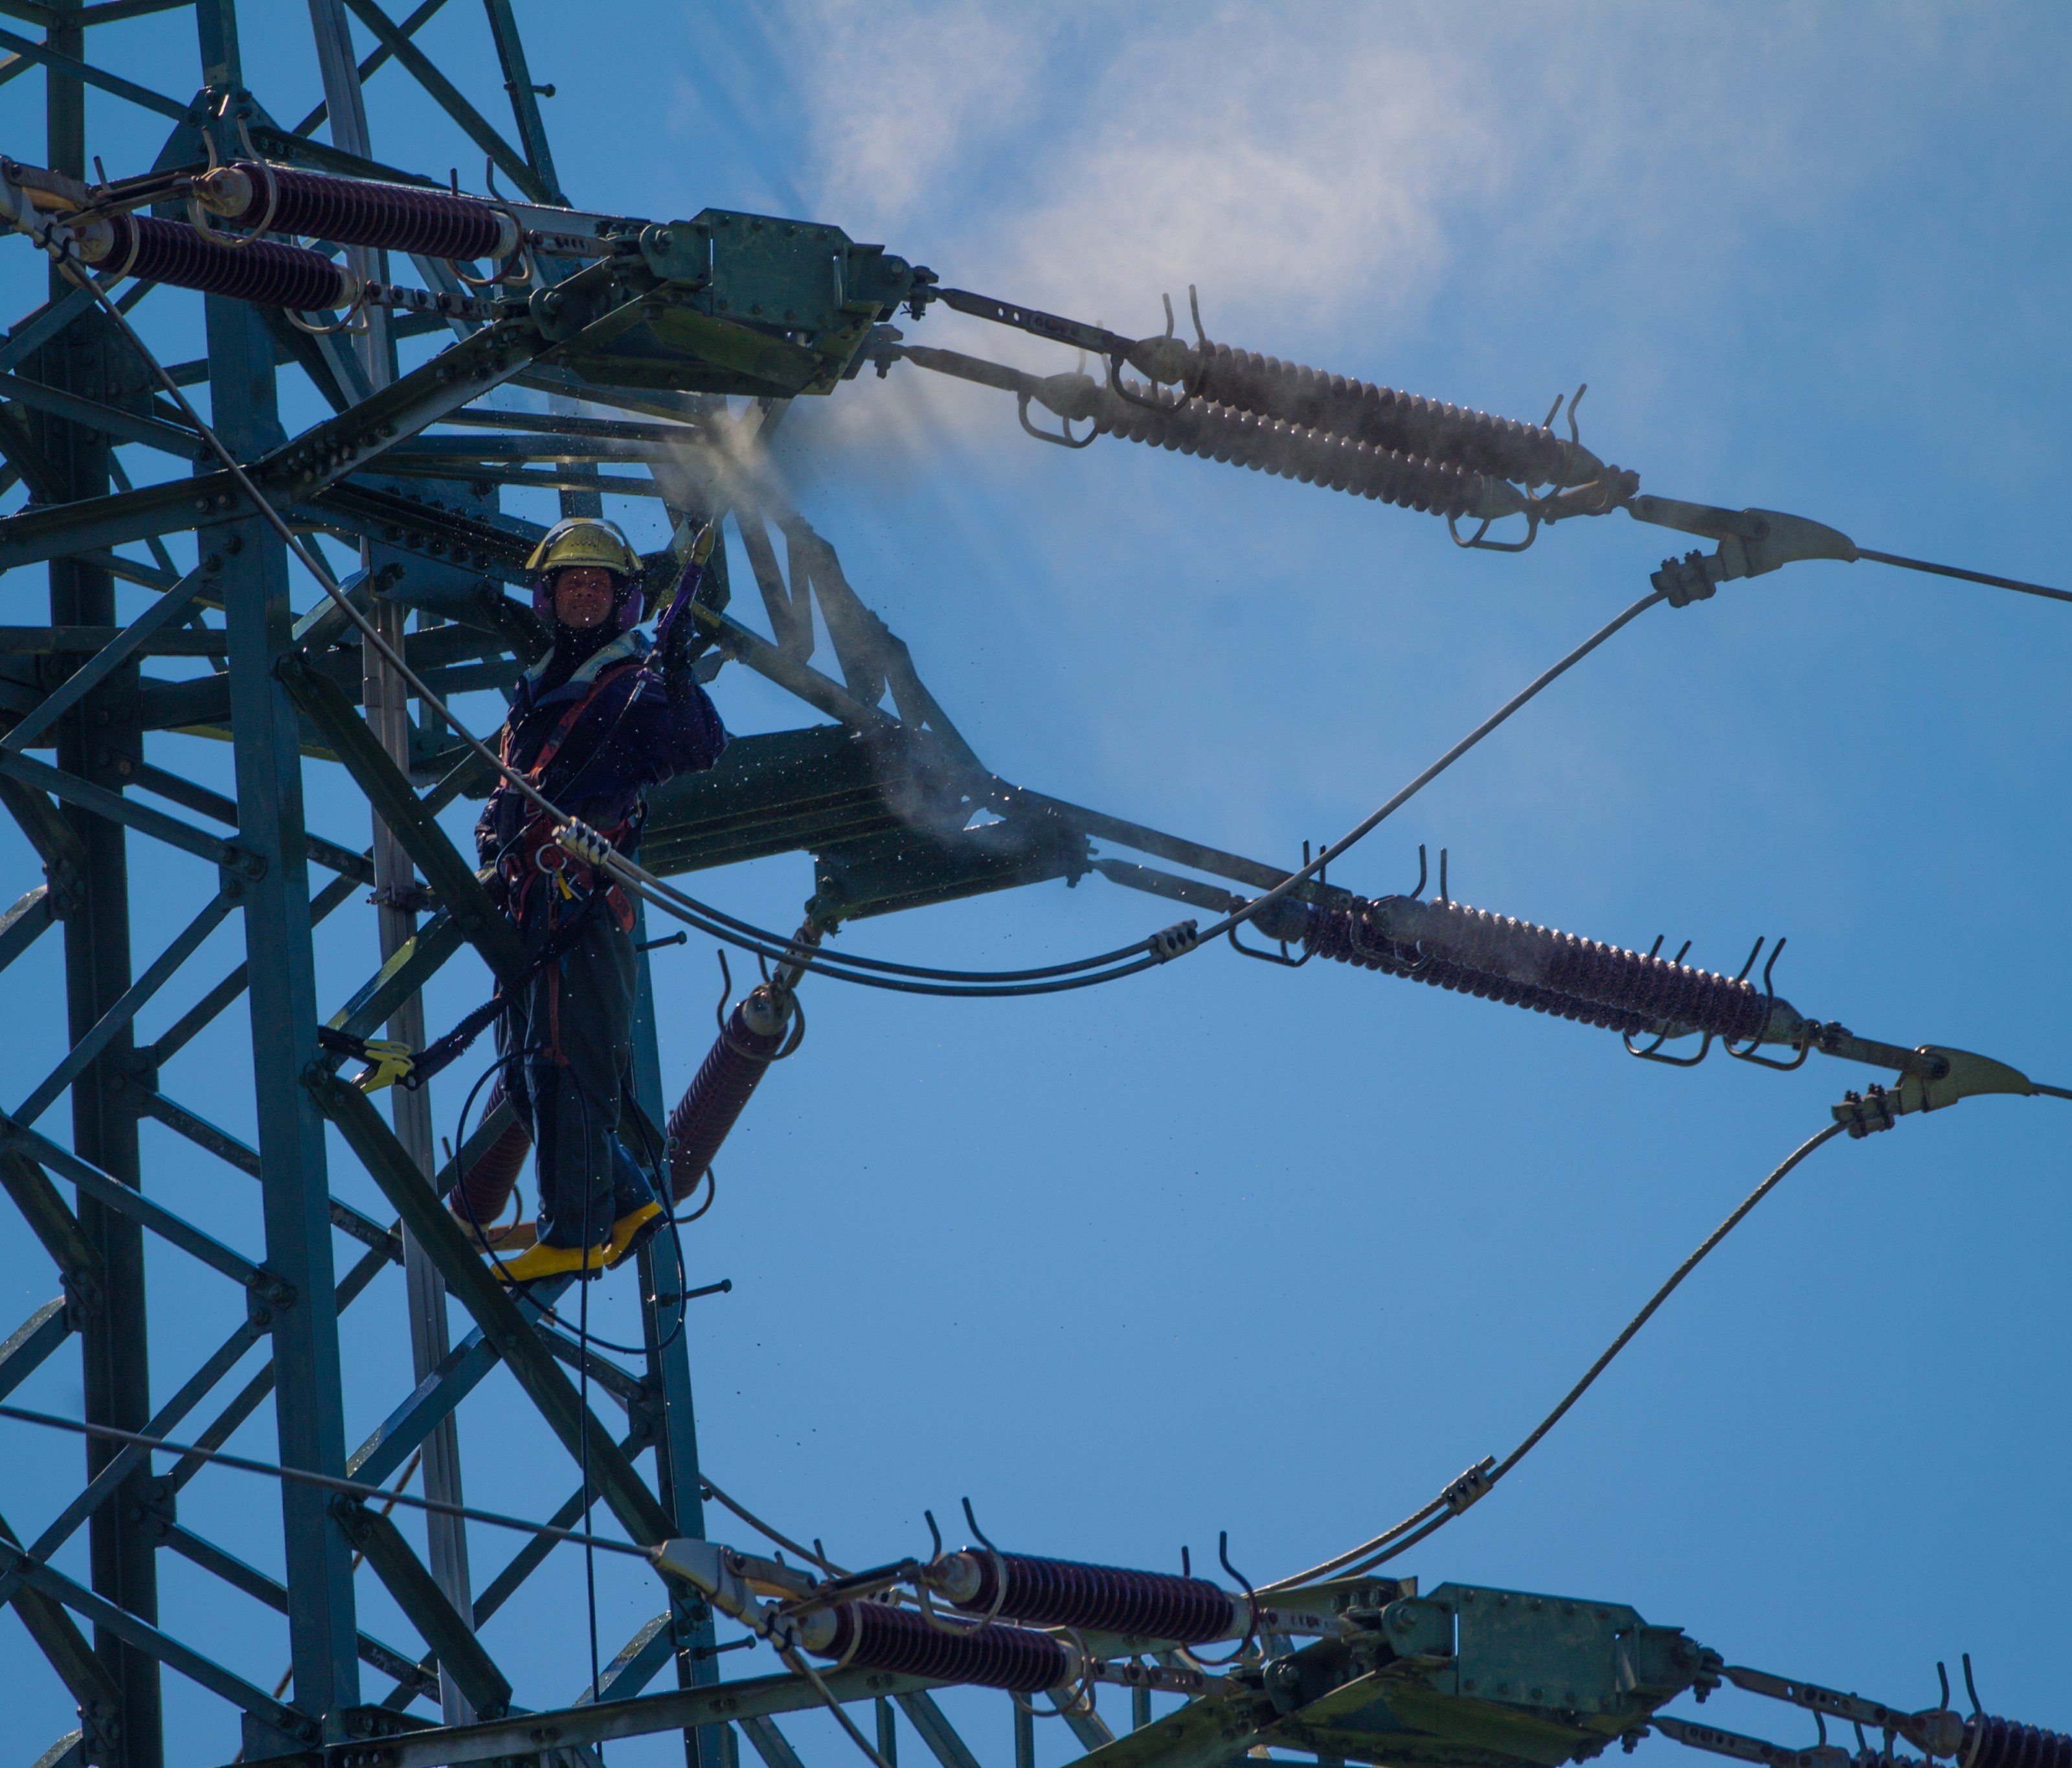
(585, 540)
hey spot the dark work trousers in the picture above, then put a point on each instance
(574, 1022)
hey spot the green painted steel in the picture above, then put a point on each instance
(659, 321)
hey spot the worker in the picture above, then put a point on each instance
(602, 717)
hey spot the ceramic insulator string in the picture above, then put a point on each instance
(1385, 419)
(1990, 1742)
(1270, 445)
(876, 1636)
(259, 270)
(484, 1191)
(719, 1093)
(1452, 946)
(357, 211)
(1111, 1599)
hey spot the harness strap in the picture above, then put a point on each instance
(565, 726)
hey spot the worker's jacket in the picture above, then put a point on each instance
(592, 744)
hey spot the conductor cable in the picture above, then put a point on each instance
(1479, 1479)
(349, 1488)
(906, 979)
(685, 907)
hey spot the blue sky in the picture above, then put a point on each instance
(1226, 1247)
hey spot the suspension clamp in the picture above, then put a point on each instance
(1866, 1113)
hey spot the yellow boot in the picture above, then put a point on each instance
(629, 1232)
(544, 1260)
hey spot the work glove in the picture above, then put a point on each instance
(677, 639)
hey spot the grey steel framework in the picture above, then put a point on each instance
(695, 335)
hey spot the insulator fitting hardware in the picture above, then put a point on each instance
(1752, 542)
(1940, 1078)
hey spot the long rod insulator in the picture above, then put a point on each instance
(1384, 419)
(1452, 946)
(1110, 1599)
(1272, 445)
(259, 270)
(876, 1636)
(726, 1079)
(483, 1192)
(1990, 1742)
(357, 212)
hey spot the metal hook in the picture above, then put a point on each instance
(489, 170)
(1251, 1617)
(1194, 307)
(358, 310)
(1820, 1726)
(1649, 1054)
(1122, 392)
(1769, 1001)
(1553, 411)
(1971, 1688)
(977, 1533)
(1575, 435)
(1187, 1564)
(499, 271)
(1475, 542)
(726, 988)
(1265, 956)
(1223, 1553)
(1064, 438)
(1419, 890)
(1942, 1676)
(942, 1623)
(1168, 300)
(1443, 896)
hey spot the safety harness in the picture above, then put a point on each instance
(533, 860)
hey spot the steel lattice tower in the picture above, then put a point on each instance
(694, 335)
